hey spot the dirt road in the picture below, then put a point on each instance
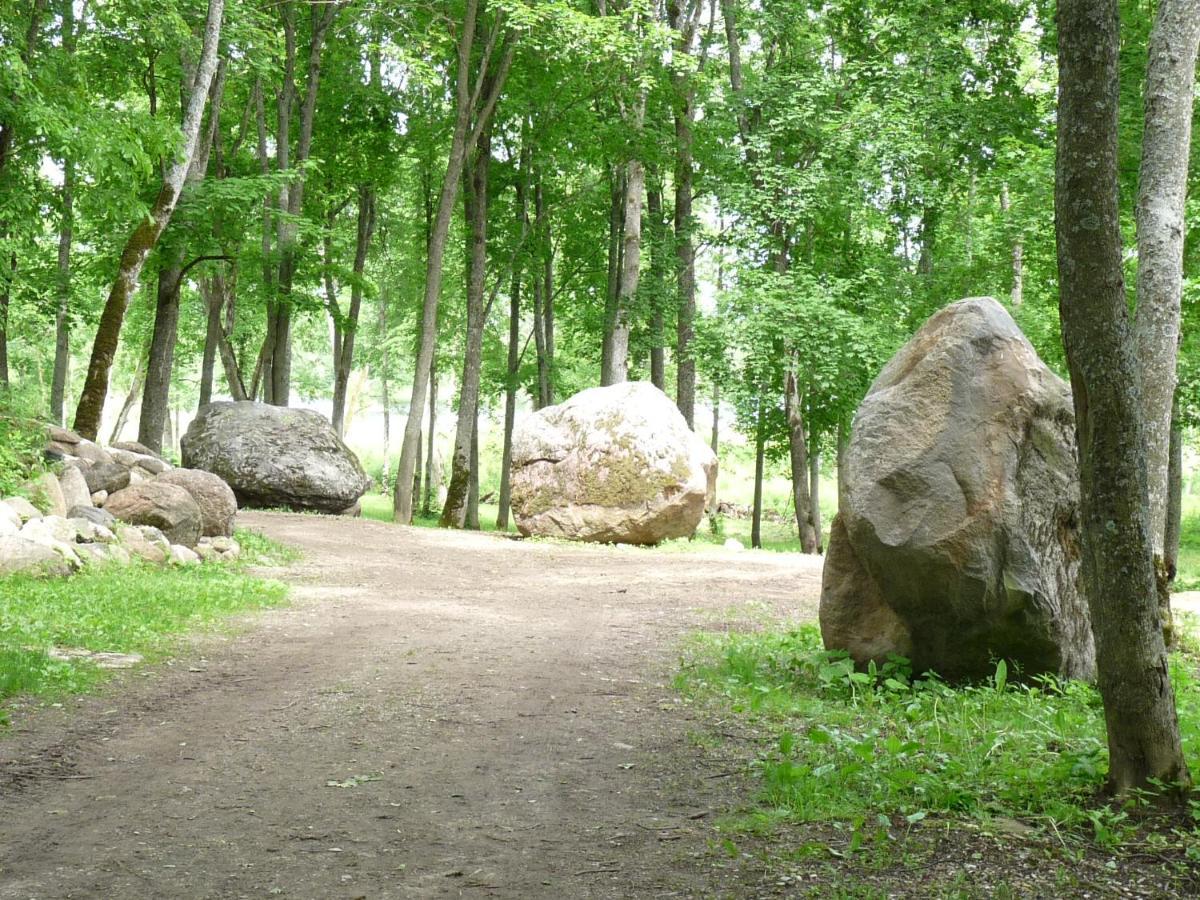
(437, 714)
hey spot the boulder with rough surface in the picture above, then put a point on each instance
(107, 477)
(19, 555)
(218, 505)
(614, 464)
(167, 507)
(958, 542)
(74, 488)
(275, 456)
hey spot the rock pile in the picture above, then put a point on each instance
(114, 504)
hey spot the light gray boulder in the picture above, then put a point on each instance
(958, 543)
(108, 477)
(47, 492)
(74, 488)
(275, 456)
(92, 514)
(613, 464)
(21, 556)
(23, 508)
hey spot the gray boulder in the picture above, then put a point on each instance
(47, 493)
(613, 464)
(74, 488)
(958, 541)
(135, 447)
(93, 514)
(108, 477)
(23, 508)
(167, 507)
(218, 505)
(275, 456)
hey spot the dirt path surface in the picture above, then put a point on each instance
(437, 714)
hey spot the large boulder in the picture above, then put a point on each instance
(958, 544)
(613, 464)
(275, 456)
(27, 557)
(218, 506)
(167, 507)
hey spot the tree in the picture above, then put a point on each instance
(1117, 564)
(146, 234)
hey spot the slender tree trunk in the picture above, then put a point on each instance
(543, 214)
(213, 301)
(1162, 196)
(472, 518)
(715, 444)
(616, 211)
(431, 483)
(760, 445)
(514, 353)
(5, 295)
(384, 398)
(1174, 501)
(62, 321)
(417, 471)
(798, 449)
(1118, 574)
(135, 390)
(843, 446)
(1017, 294)
(454, 513)
(631, 264)
(658, 285)
(542, 400)
(145, 236)
(814, 496)
(464, 109)
(345, 361)
(154, 410)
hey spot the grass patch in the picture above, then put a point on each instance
(379, 507)
(124, 609)
(870, 752)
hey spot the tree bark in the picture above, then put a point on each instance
(514, 351)
(1162, 196)
(658, 285)
(1174, 529)
(5, 296)
(475, 187)
(468, 103)
(62, 321)
(760, 448)
(214, 300)
(145, 236)
(616, 211)
(431, 488)
(543, 214)
(345, 352)
(384, 397)
(1017, 293)
(798, 452)
(843, 446)
(631, 266)
(814, 496)
(1118, 574)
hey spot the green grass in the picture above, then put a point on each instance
(379, 507)
(124, 609)
(867, 751)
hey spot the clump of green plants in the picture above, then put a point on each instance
(22, 438)
(138, 608)
(876, 748)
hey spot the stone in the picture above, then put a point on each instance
(55, 453)
(275, 456)
(151, 465)
(958, 542)
(108, 477)
(135, 447)
(167, 507)
(21, 556)
(62, 435)
(614, 464)
(138, 475)
(99, 497)
(10, 516)
(119, 554)
(93, 553)
(23, 508)
(182, 556)
(136, 544)
(50, 530)
(7, 526)
(74, 488)
(91, 533)
(92, 514)
(218, 505)
(47, 494)
(85, 449)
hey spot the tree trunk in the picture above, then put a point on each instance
(417, 470)
(658, 285)
(760, 446)
(62, 321)
(542, 400)
(472, 519)
(1017, 294)
(631, 262)
(1174, 528)
(814, 496)
(213, 303)
(431, 487)
(514, 353)
(798, 450)
(135, 390)
(454, 513)
(345, 361)
(843, 446)
(464, 108)
(154, 412)
(612, 284)
(1162, 196)
(543, 214)
(1118, 574)
(146, 235)
(384, 398)
(5, 295)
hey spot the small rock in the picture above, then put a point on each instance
(107, 478)
(93, 553)
(135, 543)
(87, 450)
(136, 448)
(167, 507)
(99, 497)
(119, 554)
(18, 555)
(7, 527)
(90, 533)
(49, 530)
(10, 515)
(218, 505)
(46, 488)
(182, 556)
(62, 435)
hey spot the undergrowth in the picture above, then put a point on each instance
(870, 751)
(138, 608)
(22, 438)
